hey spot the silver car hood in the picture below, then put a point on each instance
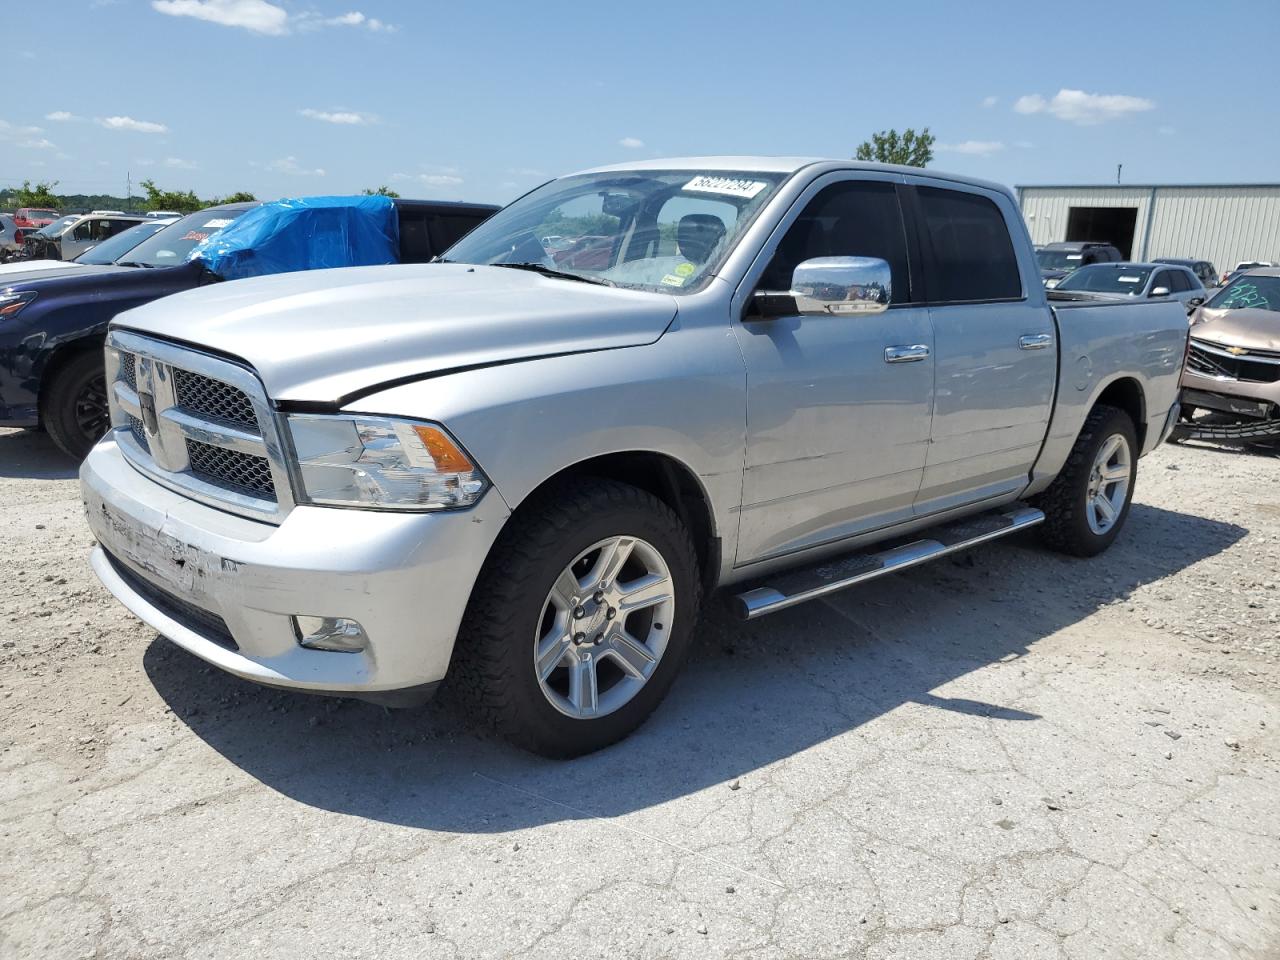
(327, 335)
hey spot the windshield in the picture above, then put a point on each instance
(113, 248)
(1108, 278)
(169, 247)
(1260, 293)
(1058, 259)
(55, 228)
(660, 230)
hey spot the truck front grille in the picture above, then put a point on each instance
(230, 468)
(198, 423)
(211, 398)
(1212, 360)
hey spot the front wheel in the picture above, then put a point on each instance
(1088, 502)
(74, 411)
(581, 618)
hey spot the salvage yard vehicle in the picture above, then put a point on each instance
(77, 234)
(1058, 260)
(1125, 281)
(52, 324)
(1203, 269)
(101, 254)
(786, 377)
(1231, 384)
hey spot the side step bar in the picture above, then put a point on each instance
(793, 587)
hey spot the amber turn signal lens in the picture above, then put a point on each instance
(448, 458)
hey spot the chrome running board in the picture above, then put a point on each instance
(808, 583)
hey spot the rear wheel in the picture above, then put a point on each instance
(1087, 504)
(74, 409)
(581, 618)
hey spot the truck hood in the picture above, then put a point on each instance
(21, 268)
(329, 336)
(1252, 328)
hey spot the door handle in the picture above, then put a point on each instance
(1035, 341)
(906, 354)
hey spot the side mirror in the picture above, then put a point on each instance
(1195, 301)
(1160, 292)
(825, 286)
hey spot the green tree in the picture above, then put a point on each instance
(41, 195)
(240, 196)
(382, 191)
(184, 201)
(911, 149)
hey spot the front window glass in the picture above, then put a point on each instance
(111, 249)
(56, 228)
(1059, 259)
(1108, 278)
(1259, 293)
(661, 230)
(169, 247)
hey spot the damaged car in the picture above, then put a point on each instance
(1231, 383)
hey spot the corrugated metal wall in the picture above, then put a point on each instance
(1223, 224)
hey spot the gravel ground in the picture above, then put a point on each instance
(1006, 755)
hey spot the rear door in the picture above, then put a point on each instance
(995, 346)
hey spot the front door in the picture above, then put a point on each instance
(836, 433)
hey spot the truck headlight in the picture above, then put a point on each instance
(11, 304)
(352, 460)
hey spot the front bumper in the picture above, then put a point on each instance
(225, 587)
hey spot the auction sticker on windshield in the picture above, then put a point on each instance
(727, 186)
(218, 224)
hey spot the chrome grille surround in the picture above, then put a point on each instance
(215, 438)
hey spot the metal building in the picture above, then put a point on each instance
(1222, 223)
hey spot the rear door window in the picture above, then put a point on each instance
(972, 254)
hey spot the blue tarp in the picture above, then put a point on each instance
(304, 233)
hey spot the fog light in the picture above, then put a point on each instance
(330, 633)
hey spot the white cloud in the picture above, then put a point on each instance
(60, 116)
(8, 130)
(128, 123)
(339, 116)
(37, 144)
(177, 163)
(527, 172)
(989, 102)
(1084, 109)
(1023, 144)
(289, 165)
(145, 162)
(311, 21)
(439, 179)
(631, 143)
(256, 16)
(973, 148)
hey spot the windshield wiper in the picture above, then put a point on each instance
(134, 263)
(546, 271)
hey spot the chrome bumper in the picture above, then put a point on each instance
(405, 577)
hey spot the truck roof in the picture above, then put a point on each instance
(764, 164)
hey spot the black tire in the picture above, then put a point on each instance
(1066, 525)
(493, 664)
(74, 405)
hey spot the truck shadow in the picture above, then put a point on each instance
(751, 695)
(31, 455)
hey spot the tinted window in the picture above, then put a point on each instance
(973, 257)
(852, 219)
(448, 228)
(1162, 279)
(1182, 281)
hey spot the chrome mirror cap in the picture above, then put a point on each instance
(842, 285)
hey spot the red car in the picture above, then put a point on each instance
(33, 218)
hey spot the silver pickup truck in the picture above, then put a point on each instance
(525, 465)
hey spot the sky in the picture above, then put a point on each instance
(484, 100)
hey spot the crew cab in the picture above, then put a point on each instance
(1059, 260)
(52, 323)
(783, 377)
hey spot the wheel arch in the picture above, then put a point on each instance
(1126, 393)
(58, 358)
(663, 476)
